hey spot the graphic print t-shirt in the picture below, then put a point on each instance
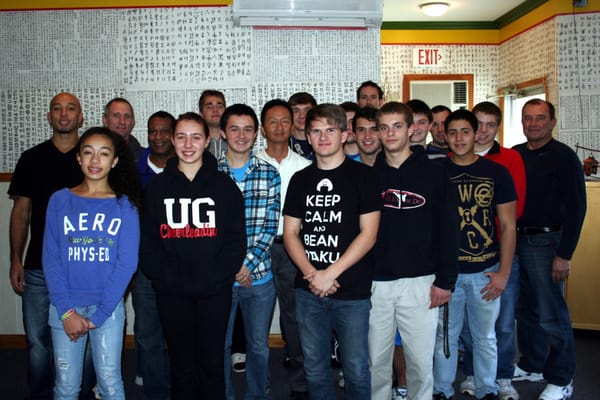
(481, 186)
(329, 203)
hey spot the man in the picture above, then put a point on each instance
(423, 119)
(415, 256)
(211, 106)
(41, 171)
(489, 117)
(118, 117)
(548, 232)
(152, 359)
(253, 289)
(331, 217)
(438, 148)
(365, 128)
(350, 147)
(485, 191)
(301, 102)
(276, 120)
(369, 94)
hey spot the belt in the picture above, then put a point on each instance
(534, 230)
(278, 239)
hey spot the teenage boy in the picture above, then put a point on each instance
(331, 218)
(489, 117)
(438, 148)
(350, 147)
(193, 241)
(301, 102)
(253, 290)
(211, 106)
(369, 94)
(486, 250)
(422, 120)
(364, 125)
(276, 120)
(415, 255)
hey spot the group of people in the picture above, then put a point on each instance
(408, 251)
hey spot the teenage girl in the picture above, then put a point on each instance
(90, 253)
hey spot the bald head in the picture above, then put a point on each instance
(65, 115)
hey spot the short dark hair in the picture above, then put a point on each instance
(368, 113)
(369, 84)
(238, 109)
(440, 108)
(118, 100)
(302, 98)
(350, 106)
(192, 116)
(210, 92)
(462, 115)
(538, 102)
(275, 103)
(488, 107)
(332, 113)
(395, 107)
(420, 107)
(165, 115)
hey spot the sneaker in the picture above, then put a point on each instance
(506, 391)
(468, 386)
(238, 362)
(441, 396)
(554, 392)
(139, 381)
(341, 381)
(399, 393)
(522, 375)
(490, 396)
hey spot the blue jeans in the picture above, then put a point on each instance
(467, 306)
(544, 331)
(106, 342)
(153, 362)
(505, 330)
(317, 318)
(256, 303)
(39, 345)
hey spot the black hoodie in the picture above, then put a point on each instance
(193, 236)
(418, 232)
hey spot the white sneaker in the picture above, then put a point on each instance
(399, 393)
(238, 362)
(506, 391)
(468, 386)
(554, 392)
(522, 375)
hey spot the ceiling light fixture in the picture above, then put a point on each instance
(434, 9)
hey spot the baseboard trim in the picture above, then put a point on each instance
(19, 342)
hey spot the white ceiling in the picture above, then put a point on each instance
(459, 10)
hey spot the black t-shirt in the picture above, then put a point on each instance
(330, 203)
(481, 186)
(41, 171)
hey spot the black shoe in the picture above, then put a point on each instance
(490, 396)
(441, 396)
(299, 395)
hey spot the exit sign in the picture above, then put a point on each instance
(428, 57)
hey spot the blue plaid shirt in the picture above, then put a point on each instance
(261, 187)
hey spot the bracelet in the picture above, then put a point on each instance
(67, 314)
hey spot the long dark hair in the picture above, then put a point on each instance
(124, 178)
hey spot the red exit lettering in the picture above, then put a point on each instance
(429, 56)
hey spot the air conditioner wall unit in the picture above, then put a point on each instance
(318, 13)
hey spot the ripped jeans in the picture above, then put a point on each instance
(107, 343)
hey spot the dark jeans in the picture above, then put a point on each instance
(40, 375)
(544, 329)
(195, 330)
(153, 364)
(284, 274)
